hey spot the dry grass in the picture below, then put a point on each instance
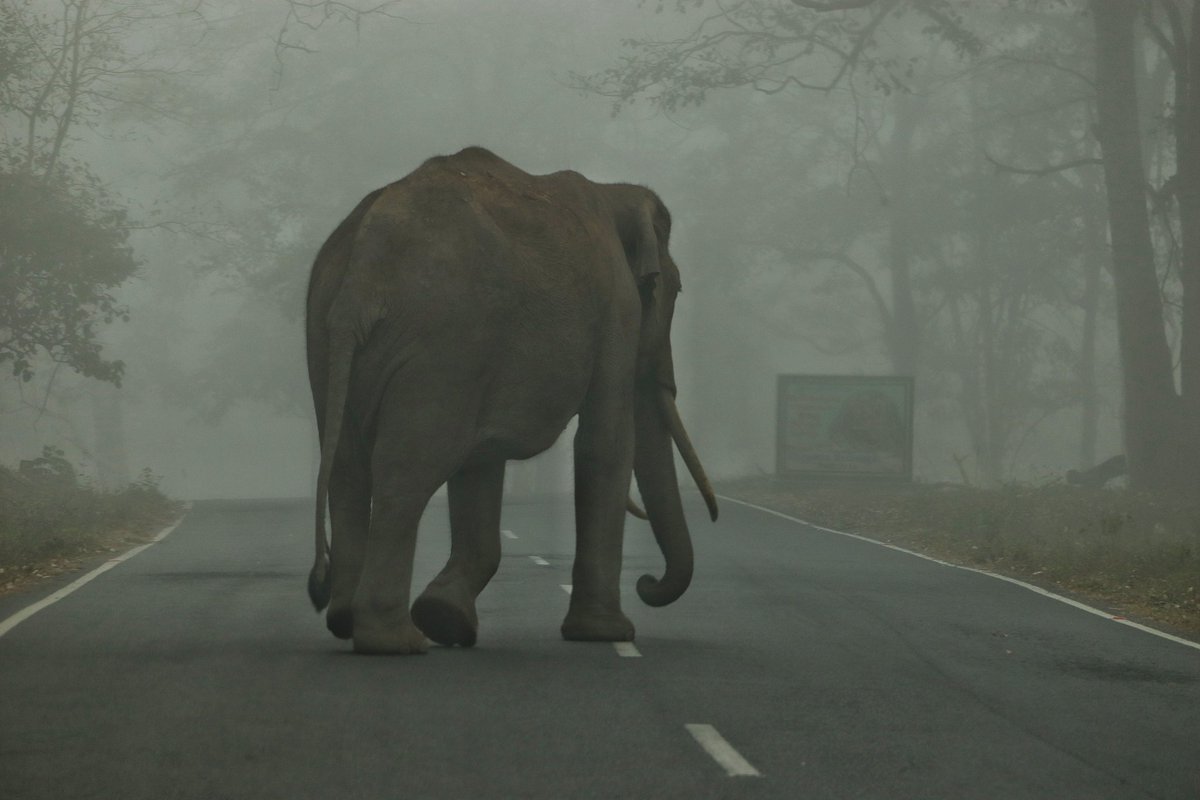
(50, 522)
(1135, 554)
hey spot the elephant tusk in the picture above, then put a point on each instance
(667, 404)
(634, 509)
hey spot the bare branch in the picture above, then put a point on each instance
(301, 13)
(834, 5)
(1040, 172)
(851, 60)
(1045, 62)
(881, 306)
(1175, 46)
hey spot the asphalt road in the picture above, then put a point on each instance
(834, 668)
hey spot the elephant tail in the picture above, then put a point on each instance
(342, 345)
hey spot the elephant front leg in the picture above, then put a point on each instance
(603, 468)
(445, 611)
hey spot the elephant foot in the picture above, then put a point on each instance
(446, 613)
(593, 626)
(340, 621)
(404, 639)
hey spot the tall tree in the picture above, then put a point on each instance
(64, 241)
(779, 47)
(66, 68)
(902, 142)
(1162, 423)
(63, 251)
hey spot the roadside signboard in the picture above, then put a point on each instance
(840, 426)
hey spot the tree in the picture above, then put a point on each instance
(796, 46)
(922, 261)
(63, 250)
(63, 236)
(780, 46)
(1162, 422)
(1032, 250)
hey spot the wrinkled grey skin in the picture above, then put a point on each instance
(457, 319)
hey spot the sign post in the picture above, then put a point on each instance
(845, 427)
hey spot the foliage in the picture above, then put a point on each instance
(311, 15)
(972, 272)
(63, 250)
(775, 46)
(71, 59)
(64, 244)
(1009, 261)
(48, 513)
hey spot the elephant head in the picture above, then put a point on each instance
(644, 226)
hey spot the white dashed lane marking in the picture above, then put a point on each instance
(721, 751)
(541, 562)
(508, 534)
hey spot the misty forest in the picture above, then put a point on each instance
(933, 281)
(999, 199)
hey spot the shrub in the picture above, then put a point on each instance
(47, 512)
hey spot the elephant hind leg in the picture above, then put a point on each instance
(382, 621)
(445, 611)
(380, 608)
(419, 443)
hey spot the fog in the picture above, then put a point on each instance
(237, 133)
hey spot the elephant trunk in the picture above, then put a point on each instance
(658, 428)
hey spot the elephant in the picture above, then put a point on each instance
(460, 318)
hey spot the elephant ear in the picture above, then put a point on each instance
(642, 248)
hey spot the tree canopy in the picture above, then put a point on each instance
(63, 250)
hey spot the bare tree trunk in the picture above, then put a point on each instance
(1187, 193)
(1093, 267)
(111, 455)
(970, 393)
(1151, 404)
(903, 334)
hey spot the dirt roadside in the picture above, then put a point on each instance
(1134, 555)
(85, 551)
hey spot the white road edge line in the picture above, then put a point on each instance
(541, 562)
(1036, 589)
(49, 600)
(721, 751)
(509, 534)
